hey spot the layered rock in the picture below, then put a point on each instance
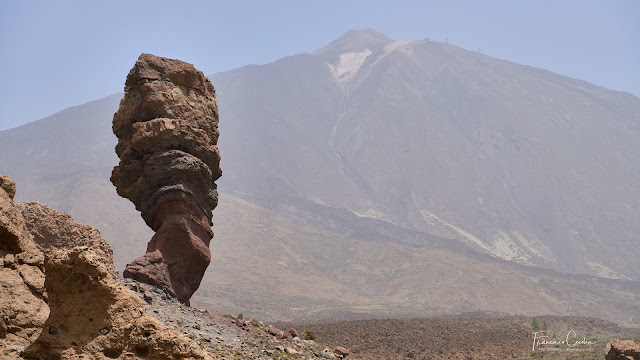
(56, 229)
(23, 308)
(167, 129)
(622, 350)
(93, 316)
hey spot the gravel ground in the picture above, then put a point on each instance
(226, 336)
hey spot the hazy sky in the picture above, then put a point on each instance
(57, 54)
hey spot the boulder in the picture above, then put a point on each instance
(293, 333)
(8, 185)
(340, 351)
(276, 332)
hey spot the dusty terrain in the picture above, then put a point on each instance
(468, 336)
(224, 336)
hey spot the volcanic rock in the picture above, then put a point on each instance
(340, 351)
(167, 129)
(276, 332)
(57, 229)
(93, 316)
(8, 185)
(23, 308)
(293, 333)
(622, 350)
(240, 320)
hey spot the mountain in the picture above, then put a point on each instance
(514, 161)
(386, 178)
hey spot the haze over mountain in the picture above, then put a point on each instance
(387, 177)
(514, 161)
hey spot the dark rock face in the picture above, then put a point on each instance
(167, 129)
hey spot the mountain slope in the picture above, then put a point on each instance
(279, 267)
(518, 162)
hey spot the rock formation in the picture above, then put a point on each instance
(8, 185)
(23, 308)
(80, 310)
(167, 129)
(93, 316)
(56, 229)
(622, 350)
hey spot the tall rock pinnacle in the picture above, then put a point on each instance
(167, 129)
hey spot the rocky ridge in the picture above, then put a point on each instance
(167, 130)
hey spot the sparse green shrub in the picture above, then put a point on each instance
(308, 335)
(535, 324)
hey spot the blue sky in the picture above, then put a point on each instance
(57, 54)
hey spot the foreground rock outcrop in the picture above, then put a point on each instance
(23, 307)
(167, 129)
(622, 350)
(94, 316)
(51, 228)
(80, 310)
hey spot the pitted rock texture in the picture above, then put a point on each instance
(57, 229)
(93, 316)
(167, 129)
(23, 308)
(8, 185)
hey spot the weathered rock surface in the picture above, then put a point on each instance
(57, 229)
(80, 311)
(23, 309)
(293, 333)
(276, 332)
(93, 316)
(340, 351)
(622, 350)
(167, 129)
(8, 185)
